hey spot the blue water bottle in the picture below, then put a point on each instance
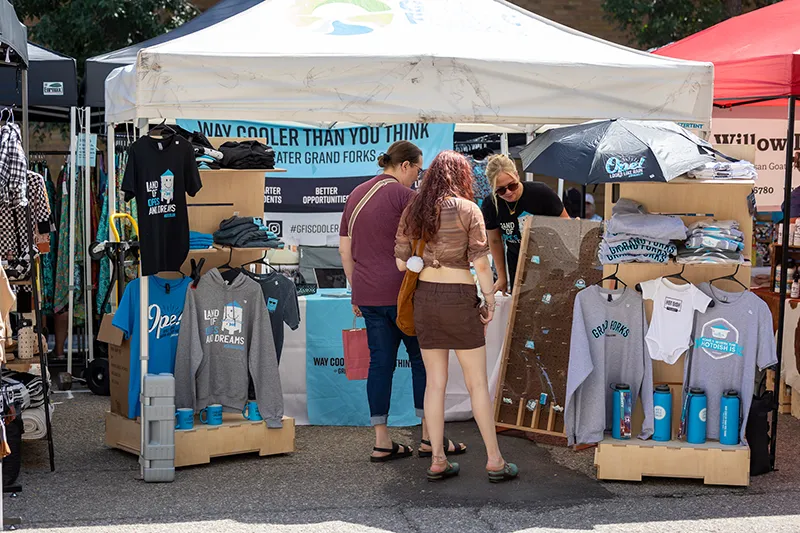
(696, 432)
(662, 411)
(729, 418)
(621, 417)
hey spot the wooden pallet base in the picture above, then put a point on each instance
(199, 445)
(712, 462)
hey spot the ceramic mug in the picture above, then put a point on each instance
(250, 411)
(184, 418)
(212, 415)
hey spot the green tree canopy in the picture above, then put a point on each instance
(653, 23)
(85, 28)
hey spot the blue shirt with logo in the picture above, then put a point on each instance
(166, 299)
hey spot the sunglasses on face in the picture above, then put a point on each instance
(513, 186)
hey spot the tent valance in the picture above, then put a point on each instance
(13, 33)
(392, 61)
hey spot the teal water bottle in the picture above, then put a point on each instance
(729, 418)
(621, 417)
(662, 411)
(696, 433)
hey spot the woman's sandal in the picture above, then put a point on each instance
(508, 472)
(394, 453)
(458, 448)
(451, 471)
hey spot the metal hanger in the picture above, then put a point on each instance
(163, 127)
(730, 277)
(227, 265)
(612, 277)
(260, 261)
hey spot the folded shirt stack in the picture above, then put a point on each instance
(200, 241)
(632, 235)
(207, 158)
(739, 170)
(713, 241)
(246, 232)
(247, 155)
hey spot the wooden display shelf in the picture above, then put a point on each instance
(714, 463)
(202, 251)
(198, 446)
(22, 365)
(226, 248)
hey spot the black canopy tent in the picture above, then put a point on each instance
(99, 67)
(14, 49)
(52, 85)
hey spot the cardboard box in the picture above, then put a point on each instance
(119, 364)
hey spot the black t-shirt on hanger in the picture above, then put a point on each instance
(159, 174)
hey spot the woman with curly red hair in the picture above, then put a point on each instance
(448, 314)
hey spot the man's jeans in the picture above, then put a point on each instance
(384, 338)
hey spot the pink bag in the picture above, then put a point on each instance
(356, 353)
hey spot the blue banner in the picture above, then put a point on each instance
(333, 400)
(323, 166)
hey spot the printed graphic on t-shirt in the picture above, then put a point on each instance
(161, 194)
(673, 304)
(272, 304)
(511, 233)
(611, 329)
(226, 332)
(719, 339)
(166, 322)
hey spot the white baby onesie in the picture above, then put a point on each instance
(673, 317)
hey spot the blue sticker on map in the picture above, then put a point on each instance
(535, 260)
(530, 345)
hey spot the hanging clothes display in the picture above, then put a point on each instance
(15, 237)
(48, 260)
(129, 208)
(61, 299)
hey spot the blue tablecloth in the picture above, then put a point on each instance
(333, 400)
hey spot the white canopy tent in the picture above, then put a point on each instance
(392, 61)
(482, 62)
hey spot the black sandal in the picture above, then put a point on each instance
(394, 453)
(451, 471)
(459, 448)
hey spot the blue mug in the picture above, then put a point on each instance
(184, 418)
(212, 415)
(250, 411)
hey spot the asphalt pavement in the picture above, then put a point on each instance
(328, 485)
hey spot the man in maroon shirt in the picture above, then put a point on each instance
(368, 260)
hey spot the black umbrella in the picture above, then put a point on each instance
(614, 151)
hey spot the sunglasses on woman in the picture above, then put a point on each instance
(513, 186)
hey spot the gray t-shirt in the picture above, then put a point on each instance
(730, 340)
(607, 347)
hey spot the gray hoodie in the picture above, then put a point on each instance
(226, 331)
(607, 347)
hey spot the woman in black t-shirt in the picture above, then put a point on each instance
(512, 200)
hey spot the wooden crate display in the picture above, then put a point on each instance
(557, 258)
(712, 462)
(199, 445)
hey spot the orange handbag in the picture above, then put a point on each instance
(405, 300)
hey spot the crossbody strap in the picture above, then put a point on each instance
(367, 197)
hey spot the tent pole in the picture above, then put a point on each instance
(787, 213)
(504, 144)
(25, 122)
(87, 236)
(583, 201)
(111, 188)
(73, 152)
(144, 339)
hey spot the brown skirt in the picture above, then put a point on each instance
(447, 316)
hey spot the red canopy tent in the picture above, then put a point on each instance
(756, 56)
(756, 60)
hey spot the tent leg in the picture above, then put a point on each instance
(73, 150)
(583, 201)
(88, 238)
(787, 213)
(144, 349)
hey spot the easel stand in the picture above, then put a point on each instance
(715, 464)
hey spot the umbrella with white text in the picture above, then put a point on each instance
(612, 151)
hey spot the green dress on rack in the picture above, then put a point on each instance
(61, 298)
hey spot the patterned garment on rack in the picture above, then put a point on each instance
(127, 233)
(16, 235)
(61, 298)
(104, 276)
(48, 260)
(13, 167)
(480, 183)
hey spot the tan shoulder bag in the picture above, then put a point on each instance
(360, 205)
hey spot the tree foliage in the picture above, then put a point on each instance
(85, 28)
(653, 23)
